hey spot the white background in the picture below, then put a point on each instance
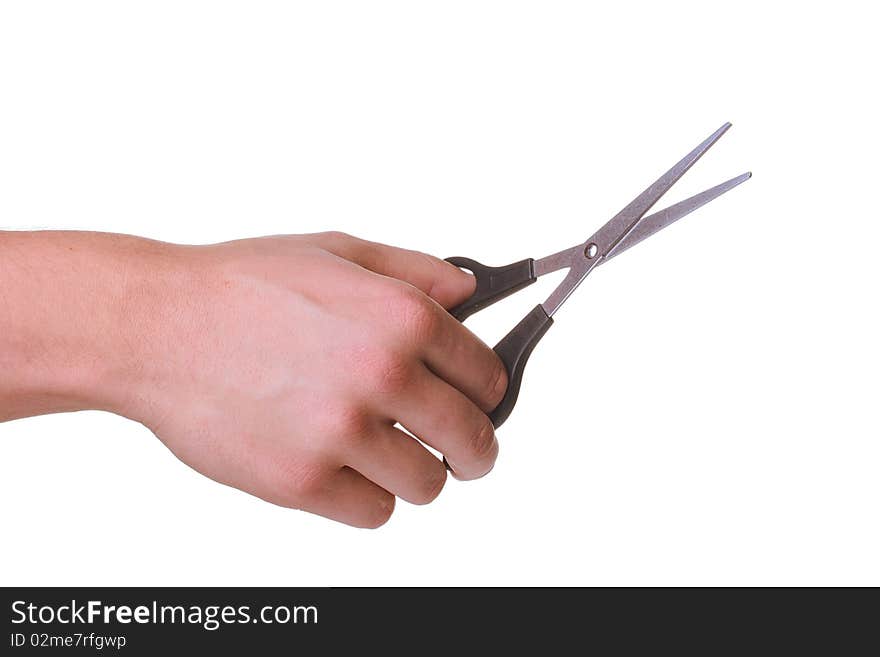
(704, 410)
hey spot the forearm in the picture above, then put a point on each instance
(73, 312)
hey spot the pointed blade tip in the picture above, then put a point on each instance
(724, 128)
(735, 181)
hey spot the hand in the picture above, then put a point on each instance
(280, 366)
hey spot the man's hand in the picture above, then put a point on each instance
(277, 365)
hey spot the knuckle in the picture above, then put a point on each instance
(482, 446)
(497, 384)
(335, 241)
(390, 372)
(416, 314)
(430, 484)
(335, 237)
(338, 425)
(379, 512)
(350, 423)
(297, 482)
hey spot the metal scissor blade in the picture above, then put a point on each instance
(646, 227)
(660, 220)
(620, 225)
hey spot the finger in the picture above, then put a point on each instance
(349, 497)
(464, 361)
(442, 417)
(397, 463)
(440, 280)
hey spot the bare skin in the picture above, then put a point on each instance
(277, 365)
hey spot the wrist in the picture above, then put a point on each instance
(78, 326)
(147, 321)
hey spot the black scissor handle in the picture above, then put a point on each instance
(514, 349)
(493, 283)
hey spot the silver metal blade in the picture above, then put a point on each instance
(620, 225)
(660, 220)
(646, 227)
(607, 237)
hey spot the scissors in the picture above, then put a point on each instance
(625, 229)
